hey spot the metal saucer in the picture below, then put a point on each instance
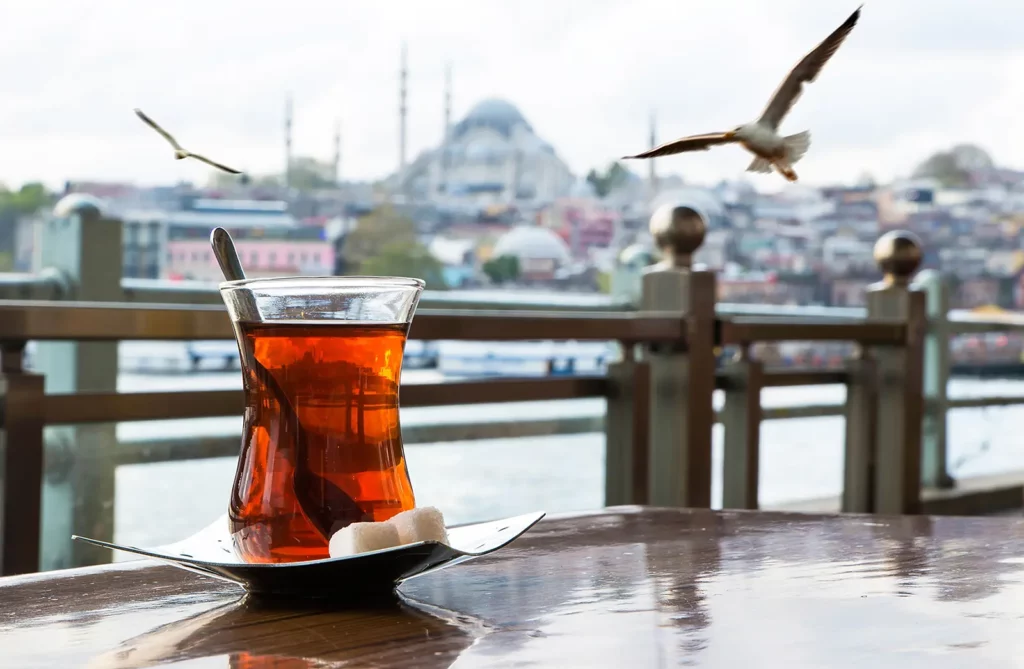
(210, 552)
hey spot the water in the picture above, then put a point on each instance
(480, 480)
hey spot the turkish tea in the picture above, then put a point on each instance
(322, 443)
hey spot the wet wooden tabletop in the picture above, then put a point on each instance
(624, 588)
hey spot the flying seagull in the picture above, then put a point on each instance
(761, 137)
(180, 153)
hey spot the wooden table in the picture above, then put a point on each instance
(624, 587)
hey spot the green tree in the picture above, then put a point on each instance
(943, 167)
(309, 174)
(29, 199)
(605, 182)
(502, 269)
(405, 259)
(384, 243)
(383, 226)
(953, 168)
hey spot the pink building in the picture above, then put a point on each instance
(192, 258)
(268, 241)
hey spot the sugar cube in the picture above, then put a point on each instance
(363, 538)
(421, 524)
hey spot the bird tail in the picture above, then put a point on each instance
(761, 166)
(796, 146)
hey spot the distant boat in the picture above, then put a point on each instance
(539, 358)
(214, 353)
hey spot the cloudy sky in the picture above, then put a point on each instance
(915, 76)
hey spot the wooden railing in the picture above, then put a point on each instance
(659, 394)
(27, 409)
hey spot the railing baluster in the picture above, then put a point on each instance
(21, 484)
(741, 420)
(626, 428)
(934, 472)
(859, 450)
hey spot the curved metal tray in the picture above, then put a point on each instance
(210, 552)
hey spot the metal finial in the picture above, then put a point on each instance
(678, 230)
(83, 204)
(898, 254)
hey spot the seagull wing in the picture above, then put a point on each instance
(692, 143)
(211, 163)
(806, 71)
(163, 133)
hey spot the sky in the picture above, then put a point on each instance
(915, 76)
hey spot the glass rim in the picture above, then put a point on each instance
(368, 282)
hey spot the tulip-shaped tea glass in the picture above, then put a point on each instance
(321, 444)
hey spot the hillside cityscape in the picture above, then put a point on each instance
(494, 206)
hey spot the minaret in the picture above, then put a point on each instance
(447, 99)
(446, 137)
(337, 152)
(288, 141)
(652, 175)
(403, 76)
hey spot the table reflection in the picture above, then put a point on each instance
(303, 637)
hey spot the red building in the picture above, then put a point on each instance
(583, 224)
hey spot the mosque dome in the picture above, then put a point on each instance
(531, 242)
(494, 113)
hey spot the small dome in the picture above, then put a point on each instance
(532, 242)
(637, 255)
(494, 113)
(82, 204)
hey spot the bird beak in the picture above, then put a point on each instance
(730, 134)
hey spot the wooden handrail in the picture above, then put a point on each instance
(125, 407)
(103, 321)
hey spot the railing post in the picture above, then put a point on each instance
(936, 381)
(859, 451)
(682, 376)
(626, 430)
(741, 419)
(900, 404)
(21, 485)
(78, 494)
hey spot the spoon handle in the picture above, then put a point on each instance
(227, 258)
